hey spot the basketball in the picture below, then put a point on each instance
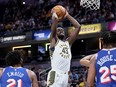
(60, 11)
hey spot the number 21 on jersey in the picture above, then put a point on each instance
(105, 71)
(13, 83)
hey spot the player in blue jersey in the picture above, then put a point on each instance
(103, 64)
(15, 75)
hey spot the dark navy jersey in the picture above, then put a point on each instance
(106, 68)
(15, 77)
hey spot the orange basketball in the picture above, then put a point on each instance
(60, 11)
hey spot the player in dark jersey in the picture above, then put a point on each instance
(103, 65)
(15, 75)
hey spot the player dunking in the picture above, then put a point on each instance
(60, 50)
(103, 64)
(14, 75)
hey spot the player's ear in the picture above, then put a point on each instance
(21, 61)
(101, 39)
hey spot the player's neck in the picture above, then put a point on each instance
(18, 65)
(61, 38)
(108, 46)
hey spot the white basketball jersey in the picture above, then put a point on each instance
(61, 56)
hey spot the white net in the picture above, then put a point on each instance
(92, 4)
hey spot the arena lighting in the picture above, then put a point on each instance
(46, 46)
(82, 41)
(23, 3)
(13, 48)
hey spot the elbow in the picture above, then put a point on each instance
(78, 26)
(81, 62)
(84, 62)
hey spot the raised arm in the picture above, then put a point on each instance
(72, 37)
(53, 30)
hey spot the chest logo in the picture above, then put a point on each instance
(65, 51)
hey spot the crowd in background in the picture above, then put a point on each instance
(17, 17)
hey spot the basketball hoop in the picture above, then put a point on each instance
(92, 4)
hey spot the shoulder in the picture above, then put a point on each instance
(67, 42)
(1, 69)
(31, 73)
(54, 42)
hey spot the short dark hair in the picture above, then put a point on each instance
(13, 58)
(109, 37)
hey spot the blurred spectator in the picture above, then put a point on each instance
(26, 17)
(74, 75)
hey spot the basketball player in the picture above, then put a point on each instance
(103, 65)
(14, 75)
(60, 52)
